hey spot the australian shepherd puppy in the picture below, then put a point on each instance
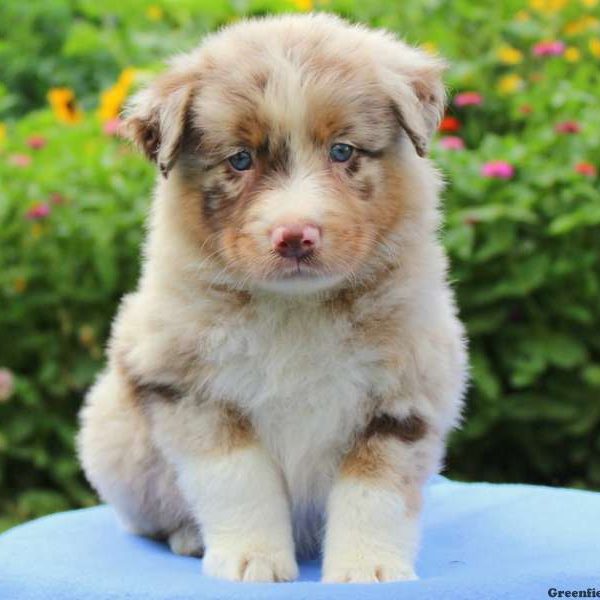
(285, 374)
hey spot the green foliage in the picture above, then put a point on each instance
(524, 250)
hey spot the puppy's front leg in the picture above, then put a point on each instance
(373, 510)
(233, 489)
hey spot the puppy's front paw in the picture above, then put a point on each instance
(369, 571)
(244, 564)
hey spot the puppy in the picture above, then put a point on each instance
(284, 377)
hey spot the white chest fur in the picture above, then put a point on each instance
(304, 382)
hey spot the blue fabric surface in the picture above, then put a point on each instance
(481, 541)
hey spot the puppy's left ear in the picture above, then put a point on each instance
(414, 81)
(155, 118)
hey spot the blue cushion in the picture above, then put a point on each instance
(480, 541)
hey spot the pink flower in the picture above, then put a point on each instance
(452, 142)
(112, 127)
(20, 160)
(38, 211)
(36, 142)
(567, 127)
(7, 384)
(550, 48)
(56, 198)
(468, 99)
(498, 169)
(586, 168)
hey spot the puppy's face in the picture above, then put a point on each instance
(287, 141)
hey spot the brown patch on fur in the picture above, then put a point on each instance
(410, 429)
(344, 301)
(240, 298)
(418, 140)
(366, 460)
(368, 457)
(328, 123)
(366, 189)
(236, 430)
(250, 130)
(275, 157)
(216, 203)
(371, 457)
(260, 79)
(156, 389)
(143, 388)
(353, 165)
(143, 125)
(145, 134)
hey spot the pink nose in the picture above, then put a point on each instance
(295, 241)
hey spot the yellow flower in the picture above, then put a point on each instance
(303, 5)
(522, 15)
(589, 3)
(509, 55)
(581, 25)
(62, 101)
(2, 132)
(154, 12)
(594, 46)
(127, 77)
(20, 284)
(548, 6)
(574, 27)
(430, 48)
(87, 335)
(509, 84)
(572, 54)
(112, 99)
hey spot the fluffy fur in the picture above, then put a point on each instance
(256, 406)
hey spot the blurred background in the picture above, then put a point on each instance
(519, 148)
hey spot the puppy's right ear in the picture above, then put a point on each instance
(155, 118)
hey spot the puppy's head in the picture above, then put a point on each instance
(291, 147)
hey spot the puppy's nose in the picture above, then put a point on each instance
(295, 241)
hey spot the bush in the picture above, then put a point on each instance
(522, 205)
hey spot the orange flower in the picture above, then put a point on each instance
(450, 125)
(112, 99)
(303, 5)
(62, 101)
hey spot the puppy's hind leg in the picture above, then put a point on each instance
(122, 463)
(186, 541)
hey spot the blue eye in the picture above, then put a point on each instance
(241, 161)
(340, 152)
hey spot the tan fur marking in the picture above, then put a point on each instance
(372, 456)
(236, 430)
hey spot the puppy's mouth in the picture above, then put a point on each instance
(297, 268)
(299, 276)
